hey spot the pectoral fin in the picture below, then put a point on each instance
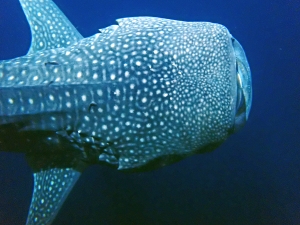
(51, 188)
(50, 28)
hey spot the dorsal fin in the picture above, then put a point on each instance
(50, 28)
(51, 188)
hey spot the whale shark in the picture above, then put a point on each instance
(138, 95)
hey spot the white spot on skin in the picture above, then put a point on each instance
(95, 76)
(113, 76)
(100, 110)
(117, 92)
(79, 74)
(138, 63)
(11, 78)
(100, 92)
(83, 97)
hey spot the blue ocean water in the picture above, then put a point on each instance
(253, 178)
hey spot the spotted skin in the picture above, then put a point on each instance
(138, 95)
(152, 95)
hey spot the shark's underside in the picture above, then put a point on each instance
(138, 95)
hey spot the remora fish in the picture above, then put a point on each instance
(138, 95)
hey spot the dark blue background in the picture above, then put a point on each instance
(252, 179)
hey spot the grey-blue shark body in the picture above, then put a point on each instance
(138, 95)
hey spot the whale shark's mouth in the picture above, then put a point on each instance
(244, 86)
